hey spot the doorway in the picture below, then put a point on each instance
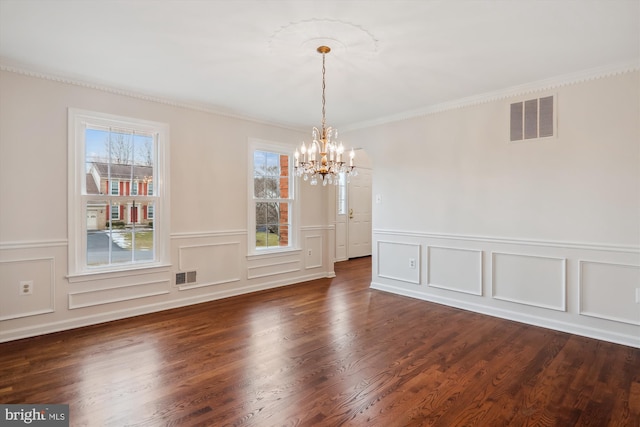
(353, 213)
(359, 208)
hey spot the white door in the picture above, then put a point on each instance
(342, 218)
(359, 228)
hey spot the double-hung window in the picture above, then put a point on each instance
(117, 220)
(272, 215)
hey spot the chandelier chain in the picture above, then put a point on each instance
(323, 98)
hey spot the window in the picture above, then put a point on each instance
(115, 187)
(532, 119)
(111, 157)
(272, 203)
(341, 194)
(115, 211)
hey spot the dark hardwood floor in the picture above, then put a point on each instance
(324, 353)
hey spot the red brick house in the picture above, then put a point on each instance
(119, 180)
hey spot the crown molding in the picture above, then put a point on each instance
(510, 92)
(24, 70)
(514, 91)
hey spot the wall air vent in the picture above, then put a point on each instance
(185, 277)
(181, 278)
(532, 119)
(191, 276)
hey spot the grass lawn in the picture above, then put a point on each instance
(261, 239)
(144, 240)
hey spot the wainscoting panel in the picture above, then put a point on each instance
(14, 273)
(214, 263)
(313, 251)
(113, 294)
(273, 264)
(529, 279)
(610, 291)
(455, 269)
(395, 261)
(588, 289)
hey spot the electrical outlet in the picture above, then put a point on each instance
(637, 295)
(309, 253)
(378, 198)
(26, 287)
(412, 263)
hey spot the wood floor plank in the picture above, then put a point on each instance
(328, 352)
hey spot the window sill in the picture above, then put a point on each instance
(273, 253)
(88, 276)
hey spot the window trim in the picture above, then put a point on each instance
(78, 121)
(255, 144)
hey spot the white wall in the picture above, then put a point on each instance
(208, 211)
(544, 231)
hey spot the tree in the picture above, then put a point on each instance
(267, 187)
(145, 153)
(119, 146)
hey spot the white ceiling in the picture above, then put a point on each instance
(257, 58)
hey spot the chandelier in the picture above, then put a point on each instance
(323, 158)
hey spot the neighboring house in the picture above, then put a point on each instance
(119, 180)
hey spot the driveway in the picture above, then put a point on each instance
(98, 243)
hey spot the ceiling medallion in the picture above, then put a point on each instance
(303, 36)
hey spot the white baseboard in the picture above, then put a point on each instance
(572, 328)
(78, 322)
